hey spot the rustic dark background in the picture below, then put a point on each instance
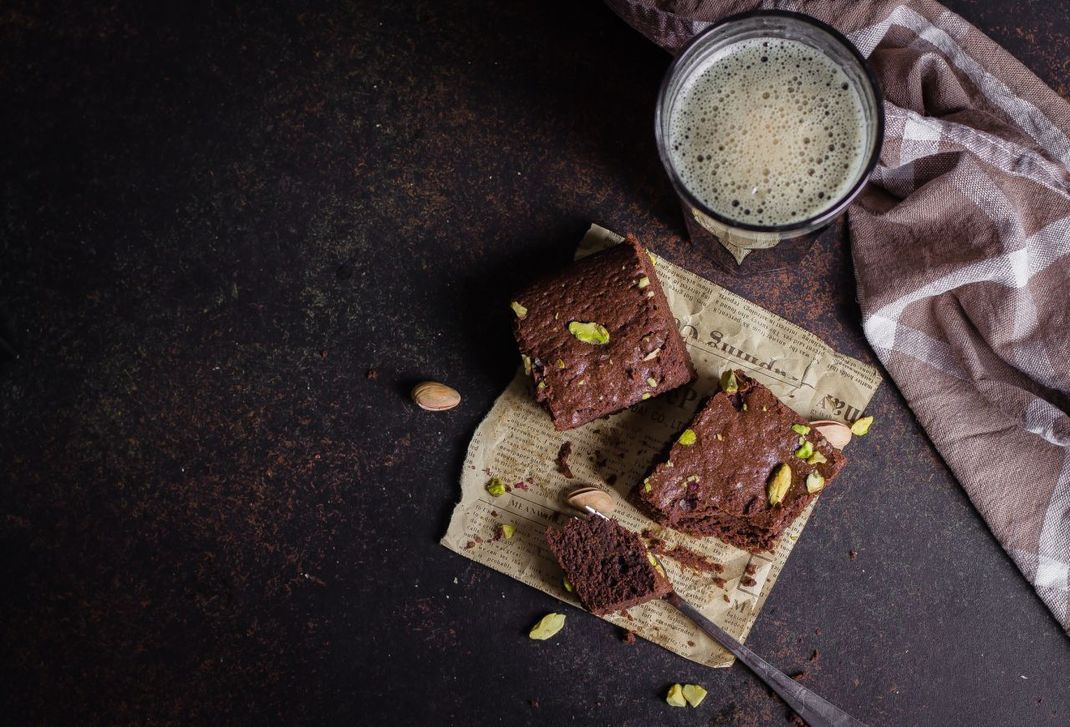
(218, 221)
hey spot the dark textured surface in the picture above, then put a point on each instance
(216, 223)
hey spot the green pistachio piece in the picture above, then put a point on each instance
(651, 381)
(861, 426)
(541, 386)
(779, 484)
(692, 478)
(592, 333)
(560, 364)
(495, 487)
(548, 625)
(694, 694)
(521, 311)
(675, 697)
(688, 437)
(653, 260)
(643, 282)
(806, 450)
(654, 562)
(508, 530)
(646, 485)
(568, 586)
(744, 406)
(801, 429)
(729, 385)
(815, 481)
(645, 396)
(816, 458)
(527, 363)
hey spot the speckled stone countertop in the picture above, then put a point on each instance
(231, 240)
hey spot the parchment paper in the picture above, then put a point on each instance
(517, 443)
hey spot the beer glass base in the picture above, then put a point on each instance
(788, 253)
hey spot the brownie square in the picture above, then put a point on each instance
(599, 336)
(608, 566)
(718, 476)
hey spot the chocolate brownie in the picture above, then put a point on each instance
(721, 477)
(599, 336)
(608, 566)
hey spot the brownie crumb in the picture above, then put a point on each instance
(562, 460)
(628, 637)
(797, 721)
(747, 581)
(494, 513)
(690, 642)
(815, 655)
(852, 554)
(801, 676)
(726, 598)
(751, 569)
(371, 374)
(469, 545)
(682, 555)
(719, 582)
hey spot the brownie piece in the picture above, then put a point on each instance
(608, 566)
(719, 484)
(562, 323)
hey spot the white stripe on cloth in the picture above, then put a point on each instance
(1028, 117)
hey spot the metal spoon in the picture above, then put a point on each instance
(815, 709)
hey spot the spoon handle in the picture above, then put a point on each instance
(817, 711)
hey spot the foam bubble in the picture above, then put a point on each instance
(768, 131)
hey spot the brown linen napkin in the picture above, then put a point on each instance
(961, 245)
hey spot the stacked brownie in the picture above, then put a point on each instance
(599, 336)
(607, 565)
(743, 470)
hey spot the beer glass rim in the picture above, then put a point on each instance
(809, 223)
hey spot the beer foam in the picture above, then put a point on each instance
(768, 131)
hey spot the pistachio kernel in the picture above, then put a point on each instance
(653, 260)
(507, 530)
(779, 484)
(860, 428)
(806, 450)
(521, 311)
(744, 406)
(694, 694)
(675, 697)
(800, 429)
(720, 437)
(652, 355)
(815, 482)
(646, 485)
(688, 437)
(547, 626)
(651, 381)
(589, 332)
(541, 386)
(692, 478)
(643, 282)
(729, 385)
(645, 396)
(654, 562)
(567, 585)
(560, 364)
(816, 458)
(527, 363)
(495, 487)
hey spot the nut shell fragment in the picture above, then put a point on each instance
(593, 497)
(837, 434)
(433, 396)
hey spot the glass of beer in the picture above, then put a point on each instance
(769, 124)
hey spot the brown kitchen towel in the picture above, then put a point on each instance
(961, 246)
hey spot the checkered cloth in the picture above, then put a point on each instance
(961, 246)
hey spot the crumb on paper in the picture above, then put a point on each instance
(521, 485)
(747, 581)
(719, 582)
(750, 569)
(562, 459)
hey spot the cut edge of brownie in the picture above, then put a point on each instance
(674, 365)
(609, 567)
(750, 534)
